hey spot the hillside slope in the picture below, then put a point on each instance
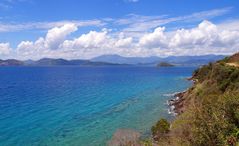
(208, 111)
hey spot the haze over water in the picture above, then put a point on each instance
(82, 105)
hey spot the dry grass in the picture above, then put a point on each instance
(233, 64)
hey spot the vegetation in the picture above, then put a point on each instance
(146, 142)
(160, 129)
(214, 121)
(211, 117)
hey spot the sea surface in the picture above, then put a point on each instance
(83, 106)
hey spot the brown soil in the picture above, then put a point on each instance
(234, 58)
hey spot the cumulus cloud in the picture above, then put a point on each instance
(124, 42)
(57, 35)
(204, 34)
(97, 43)
(207, 35)
(5, 49)
(93, 39)
(43, 46)
(154, 39)
(205, 38)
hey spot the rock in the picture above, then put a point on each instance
(176, 105)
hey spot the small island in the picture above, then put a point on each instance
(164, 64)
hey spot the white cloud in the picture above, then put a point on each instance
(93, 39)
(136, 23)
(204, 34)
(97, 43)
(229, 25)
(5, 49)
(206, 38)
(57, 35)
(53, 39)
(207, 35)
(12, 27)
(124, 42)
(131, 23)
(154, 39)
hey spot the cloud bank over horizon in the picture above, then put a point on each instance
(130, 36)
(206, 38)
(70, 29)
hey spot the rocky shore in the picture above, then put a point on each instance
(176, 105)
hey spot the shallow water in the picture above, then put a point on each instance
(82, 105)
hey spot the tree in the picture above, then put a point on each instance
(160, 129)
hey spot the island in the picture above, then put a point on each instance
(164, 64)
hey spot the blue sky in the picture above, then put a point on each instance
(131, 27)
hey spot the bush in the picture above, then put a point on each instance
(213, 121)
(146, 142)
(212, 110)
(160, 129)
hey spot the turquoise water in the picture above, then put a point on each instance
(82, 106)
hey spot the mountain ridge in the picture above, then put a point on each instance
(154, 60)
(117, 60)
(53, 62)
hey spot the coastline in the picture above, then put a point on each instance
(180, 102)
(176, 104)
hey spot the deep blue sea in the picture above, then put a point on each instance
(82, 106)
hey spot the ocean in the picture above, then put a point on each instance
(83, 106)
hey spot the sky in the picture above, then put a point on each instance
(83, 29)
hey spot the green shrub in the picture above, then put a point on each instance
(161, 128)
(211, 110)
(213, 121)
(226, 59)
(146, 142)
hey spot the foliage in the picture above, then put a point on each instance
(226, 59)
(213, 121)
(211, 117)
(218, 75)
(147, 142)
(161, 128)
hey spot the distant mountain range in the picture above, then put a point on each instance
(126, 60)
(112, 60)
(53, 62)
(11, 62)
(154, 60)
